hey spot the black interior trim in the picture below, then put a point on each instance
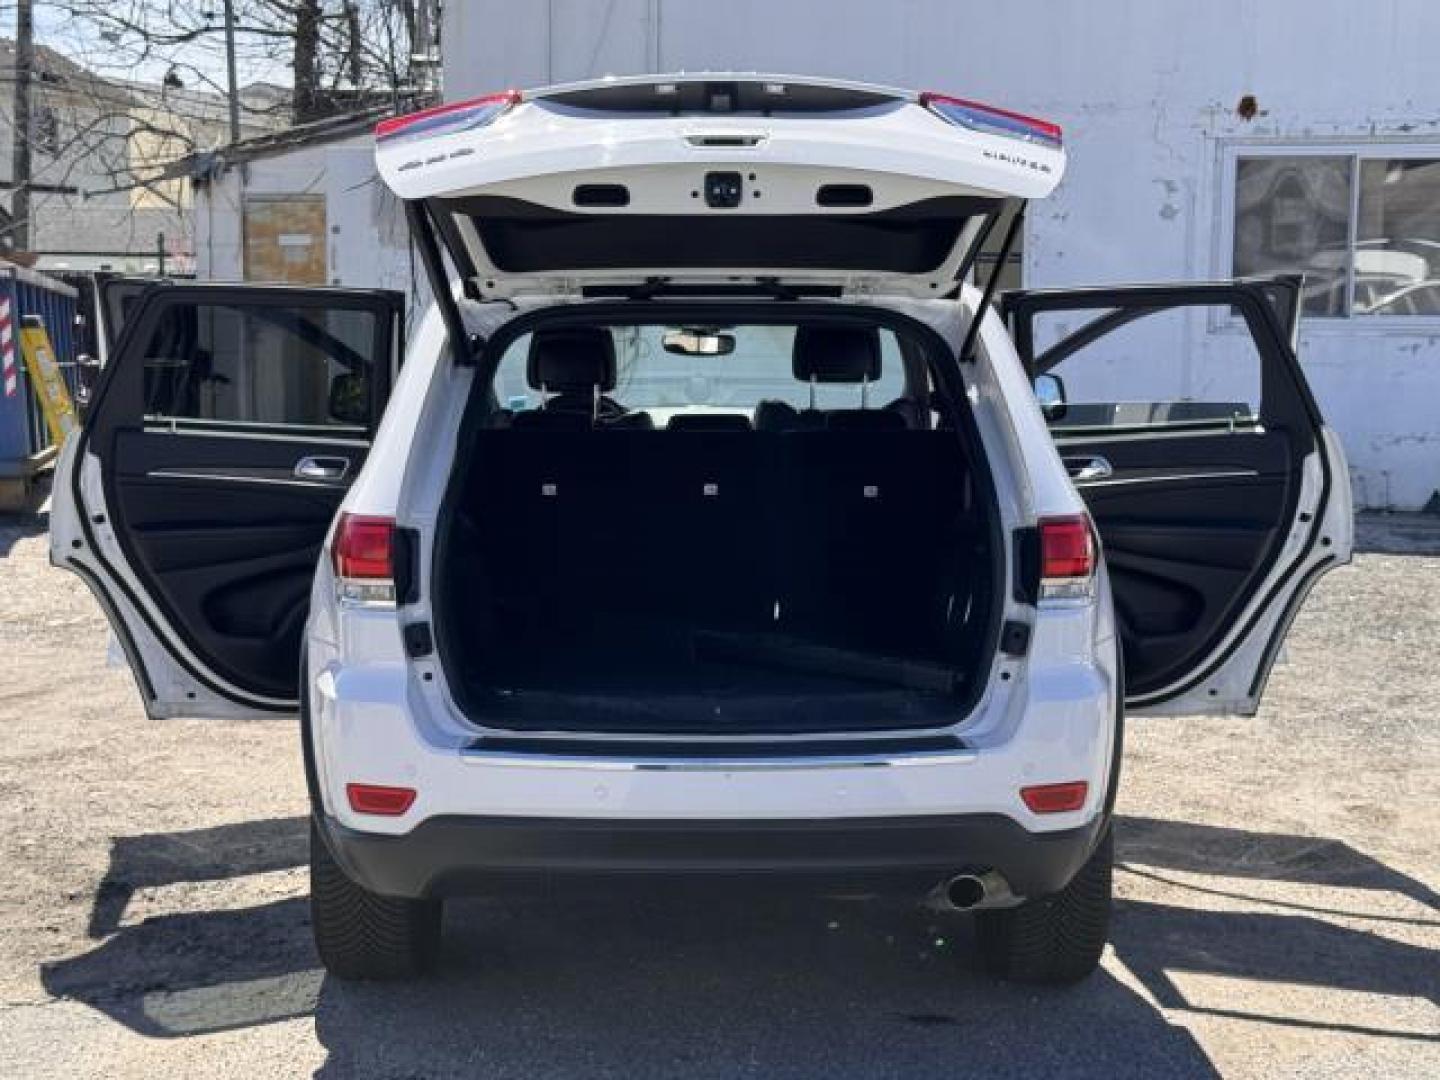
(946, 373)
(845, 195)
(122, 630)
(701, 749)
(527, 238)
(601, 195)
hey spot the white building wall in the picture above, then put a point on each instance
(367, 242)
(1147, 92)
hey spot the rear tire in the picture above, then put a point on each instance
(363, 935)
(1053, 939)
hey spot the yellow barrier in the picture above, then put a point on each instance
(45, 377)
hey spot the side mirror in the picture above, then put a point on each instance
(350, 399)
(1050, 392)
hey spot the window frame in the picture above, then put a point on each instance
(118, 402)
(1358, 151)
(350, 432)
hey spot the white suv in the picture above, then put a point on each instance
(713, 523)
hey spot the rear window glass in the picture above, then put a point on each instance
(690, 377)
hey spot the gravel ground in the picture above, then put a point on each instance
(1277, 912)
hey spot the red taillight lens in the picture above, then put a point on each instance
(996, 121)
(364, 547)
(451, 116)
(1067, 557)
(379, 799)
(1055, 798)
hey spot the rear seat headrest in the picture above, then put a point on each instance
(570, 359)
(708, 422)
(836, 354)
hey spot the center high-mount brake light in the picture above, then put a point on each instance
(993, 121)
(1067, 558)
(449, 118)
(363, 554)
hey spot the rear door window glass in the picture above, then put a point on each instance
(261, 365)
(1153, 368)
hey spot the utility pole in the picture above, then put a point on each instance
(20, 128)
(423, 54)
(234, 86)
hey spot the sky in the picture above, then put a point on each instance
(80, 44)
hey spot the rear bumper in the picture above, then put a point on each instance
(459, 855)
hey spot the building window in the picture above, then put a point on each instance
(1362, 226)
(45, 135)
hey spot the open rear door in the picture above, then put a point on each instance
(1219, 495)
(226, 429)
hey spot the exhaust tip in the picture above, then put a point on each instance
(965, 891)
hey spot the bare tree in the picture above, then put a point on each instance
(336, 54)
(121, 89)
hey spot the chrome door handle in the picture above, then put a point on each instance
(1088, 468)
(322, 468)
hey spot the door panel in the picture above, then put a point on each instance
(229, 538)
(1190, 446)
(1186, 523)
(231, 421)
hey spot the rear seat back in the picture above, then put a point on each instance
(843, 533)
(866, 515)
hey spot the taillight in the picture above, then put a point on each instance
(448, 118)
(994, 121)
(379, 799)
(1067, 558)
(1055, 798)
(363, 554)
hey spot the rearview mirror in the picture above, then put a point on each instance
(691, 341)
(1050, 392)
(350, 399)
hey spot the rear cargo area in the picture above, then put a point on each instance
(691, 581)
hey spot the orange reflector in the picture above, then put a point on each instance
(377, 799)
(1055, 798)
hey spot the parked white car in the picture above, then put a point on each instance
(711, 524)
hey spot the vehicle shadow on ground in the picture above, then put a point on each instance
(713, 981)
(17, 527)
(225, 851)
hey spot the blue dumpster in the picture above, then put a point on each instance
(25, 446)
